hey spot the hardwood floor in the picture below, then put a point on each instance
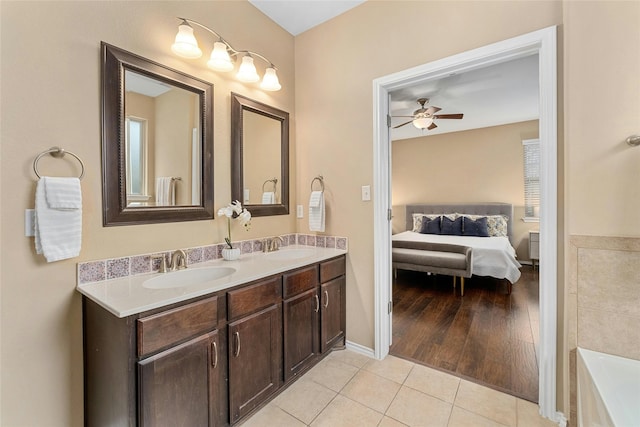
(487, 336)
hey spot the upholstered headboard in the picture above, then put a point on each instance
(464, 208)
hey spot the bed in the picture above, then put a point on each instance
(492, 256)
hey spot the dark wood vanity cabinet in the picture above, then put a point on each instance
(213, 360)
(179, 386)
(332, 303)
(301, 315)
(255, 345)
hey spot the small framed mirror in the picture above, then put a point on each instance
(157, 142)
(259, 156)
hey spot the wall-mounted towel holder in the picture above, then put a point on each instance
(58, 153)
(320, 179)
(275, 183)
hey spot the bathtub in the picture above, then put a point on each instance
(608, 390)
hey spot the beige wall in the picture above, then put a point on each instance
(50, 68)
(335, 65)
(261, 155)
(143, 107)
(474, 166)
(603, 198)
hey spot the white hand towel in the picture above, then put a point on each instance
(58, 225)
(164, 194)
(316, 211)
(268, 198)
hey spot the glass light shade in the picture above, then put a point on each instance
(220, 59)
(186, 44)
(423, 122)
(247, 72)
(270, 80)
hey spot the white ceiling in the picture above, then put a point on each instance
(297, 16)
(490, 96)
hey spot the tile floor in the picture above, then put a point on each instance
(349, 389)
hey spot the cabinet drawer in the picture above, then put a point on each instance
(163, 329)
(254, 297)
(300, 281)
(332, 269)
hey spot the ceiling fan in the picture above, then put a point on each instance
(423, 118)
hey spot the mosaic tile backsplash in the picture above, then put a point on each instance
(96, 271)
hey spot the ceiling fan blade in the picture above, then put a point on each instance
(410, 117)
(432, 109)
(448, 116)
(396, 127)
(432, 126)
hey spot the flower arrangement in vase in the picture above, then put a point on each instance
(235, 211)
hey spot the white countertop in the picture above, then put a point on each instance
(126, 296)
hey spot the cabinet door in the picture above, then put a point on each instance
(333, 313)
(255, 360)
(178, 387)
(300, 331)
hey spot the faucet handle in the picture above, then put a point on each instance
(163, 262)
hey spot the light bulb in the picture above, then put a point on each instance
(270, 80)
(423, 122)
(247, 72)
(186, 44)
(220, 59)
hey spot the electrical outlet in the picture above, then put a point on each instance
(299, 211)
(366, 193)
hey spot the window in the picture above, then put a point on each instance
(531, 179)
(136, 158)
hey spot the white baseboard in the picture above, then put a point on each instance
(360, 349)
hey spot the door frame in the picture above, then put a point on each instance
(541, 42)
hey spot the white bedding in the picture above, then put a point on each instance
(492, 256)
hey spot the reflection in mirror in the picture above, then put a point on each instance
(157, 142)
(261, 159)
(161, 139)
(260, 156)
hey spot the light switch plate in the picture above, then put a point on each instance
(299, 211)
(29, 222)
(366, 193)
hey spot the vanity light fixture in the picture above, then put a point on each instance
(186, 46)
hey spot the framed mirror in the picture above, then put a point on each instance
(259, 156)
(157, 142)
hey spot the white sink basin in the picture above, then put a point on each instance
(290, 254)
(187, 277)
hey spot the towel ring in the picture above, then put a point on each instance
(318, 178)
(275, 183)
(58, 153)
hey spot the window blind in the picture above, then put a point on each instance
(531, 178)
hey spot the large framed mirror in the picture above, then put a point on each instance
(157, 142)
(259, 156)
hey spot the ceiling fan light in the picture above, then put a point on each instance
(422, 122)
(247, 72)
(270, 80)
(185, 44)
(220, 59)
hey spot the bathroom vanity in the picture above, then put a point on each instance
(209, 354)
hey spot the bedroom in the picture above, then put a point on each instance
(468, 161)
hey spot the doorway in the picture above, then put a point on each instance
(542, 42)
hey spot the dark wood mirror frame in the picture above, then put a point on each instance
(114, 195)
(239, 104)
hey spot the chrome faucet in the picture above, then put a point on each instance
(271, 245)
(178, 260)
